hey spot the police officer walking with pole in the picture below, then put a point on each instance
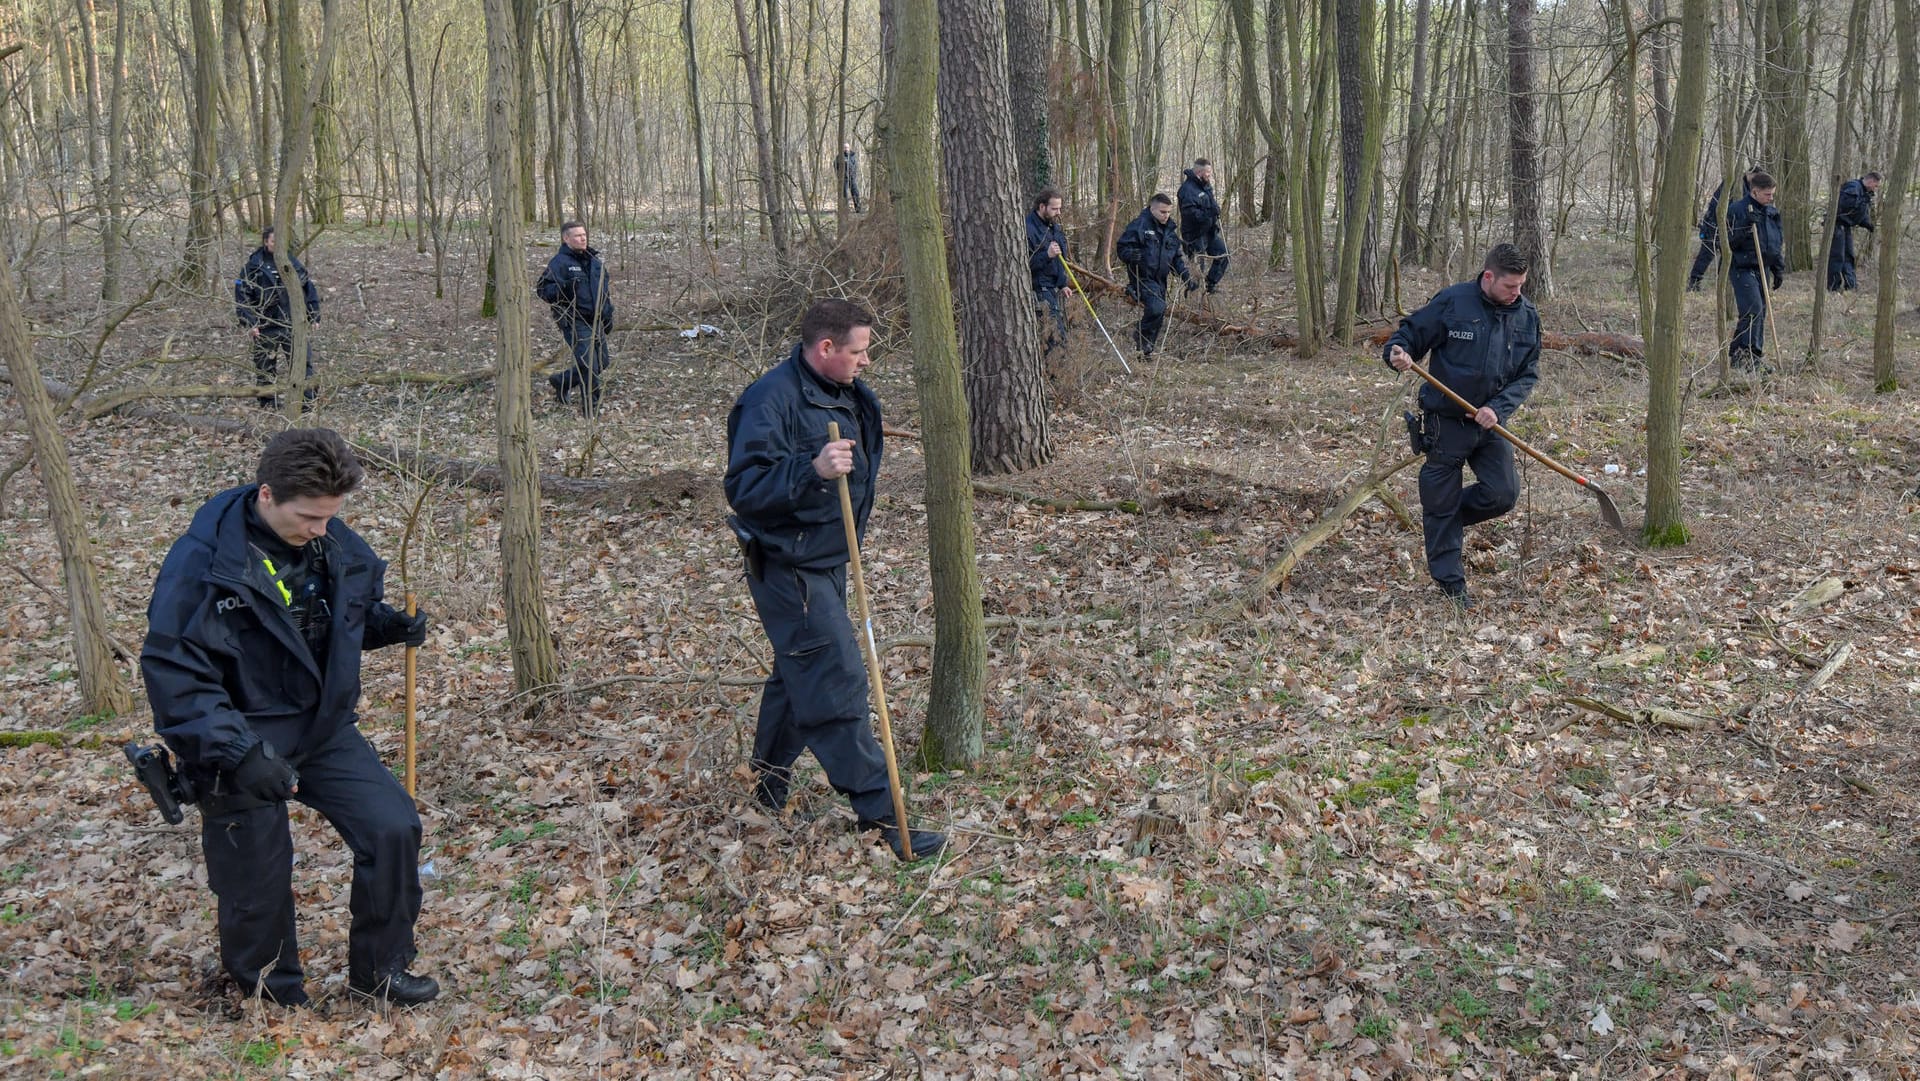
(252, 664)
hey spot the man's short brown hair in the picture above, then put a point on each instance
(1047, 195)
(301, 462)
(1506, 260)
(1161, 197)
(832, 318)
(1761, 180)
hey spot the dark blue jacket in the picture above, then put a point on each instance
(224, 664)
(576, 287)
(1710, 221)
(1047, 271)
(1151, 250)
(1488, 354)
(1742, 218)
(1199, 211)
(260, 298)
(775, 430)
(1856, 206)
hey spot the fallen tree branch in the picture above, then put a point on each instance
(1326, 527)
(1044, 502)
(1655, 716)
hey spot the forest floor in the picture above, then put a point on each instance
(1345, 834)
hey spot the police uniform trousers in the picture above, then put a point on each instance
(1446, 508)
(267, 348)
(1214, 247)
(1152, 296)
(249, 851)
(1047, 298)
(590, 358)
(816, 699)
(1750, 331)
(1840, 272)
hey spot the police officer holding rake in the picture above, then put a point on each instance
(1046, 248)
(1483, 338)
(1855, 210)
(782, 475)
(252, 666)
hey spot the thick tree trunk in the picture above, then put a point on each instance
(1005, 382)
(203, 164)
(103, 691)
(535, 663)
(1673, 222)
(329, 205)
(1028, 49)
(1842, 163)
(1406, 207)
(1784, 89)
(772, 201)
(1887, 288)
(956, 706)
(1523, 150)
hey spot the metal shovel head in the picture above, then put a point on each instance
(1607, 510)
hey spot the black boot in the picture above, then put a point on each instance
(400, 988)
(559, 386)
(925, 842)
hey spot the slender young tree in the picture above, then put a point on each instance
(535, 663)
(103, 690)
(772, 201)
(1523, 149)
(1673, 220)
(1359, 153)
(203, 163)
(299, 93)
(1842, 160)
(1006, 384)
(956, 707)
(1887, 229)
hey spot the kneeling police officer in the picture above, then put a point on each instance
(252, 665)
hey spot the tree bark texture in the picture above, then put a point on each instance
(1028, 50)
(1842, 163)
(103, 691)
(1355, 22)
(1784, 89)
(772, 201)
(956, 707)
(298, 94)
(999, 339)
(203, 164)
(535, 662)
(1887, 288)
(1673, 224)
(1523, 150)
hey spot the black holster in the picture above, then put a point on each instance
(1419, 437)
(750, 550)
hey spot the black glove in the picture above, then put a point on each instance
(1776, 278)
(411, 632)
(1868, 227)
(1189, 283)
(265, 775)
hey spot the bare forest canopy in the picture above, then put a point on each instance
(1232, 790)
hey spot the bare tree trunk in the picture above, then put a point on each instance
(1523, 146)
(1028, 48)
(1673, 221)
(1406, 207)
(697, 114)
(526, 143)
(1784, 88)
(772, 199)
(114, 273)
(299, 92)
(196, 264)
(329, 205)
(1886, 298)
(1005, 382)
(103, 691)
(1630, 139)
(1842, 161)
(956, 707)
(535, 662)
(586, 179)
(1359, 150)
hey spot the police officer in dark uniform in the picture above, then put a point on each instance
(1200, 221)
(252, 666)
(1150, 247)
(1754, 241)
(574, 285)
(261, 302)
(1483, 338)
(1046, 248)
(781, 482)
(1855, 211)
(1710, 231)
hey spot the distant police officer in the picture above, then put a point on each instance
(1200, 221)
(1150, 247)
(261, 302)
(1855, 210)
(1710, 231)
(781, 481)
(1754, 240)
(1483, 338)
(252, 665)
(1046, 250)
(575, 287)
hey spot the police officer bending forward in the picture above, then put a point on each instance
(781, 474)
(252, 664)
(1484, 338)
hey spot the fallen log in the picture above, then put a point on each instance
(1377, 334)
